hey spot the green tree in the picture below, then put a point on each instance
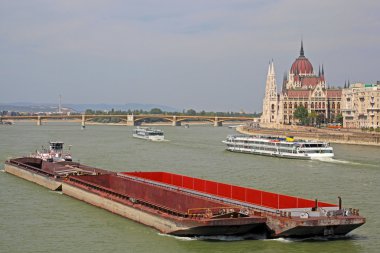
(301, 114)
(339, 119)
(191, 112)
(320, 119)
(312, 117)
(156, 111)
(89, 111)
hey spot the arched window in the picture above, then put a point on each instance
(295, 105)
(285, 105)
(312, 105)
(290, 105)
(333, 105)
(323, 105)
(338, 105)
(320, 105)
(306, 105)
(272, 106)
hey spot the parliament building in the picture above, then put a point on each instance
(301, 87)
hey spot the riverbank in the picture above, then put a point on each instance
(342, 136)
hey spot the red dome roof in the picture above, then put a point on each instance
(301, 66)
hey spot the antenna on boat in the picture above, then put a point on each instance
(60, 104)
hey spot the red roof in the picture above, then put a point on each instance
(298, 93)
(310, 81)
(334, 93)
(301, 66)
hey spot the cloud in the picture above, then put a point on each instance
(202, 54)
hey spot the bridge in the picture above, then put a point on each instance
(131, 120)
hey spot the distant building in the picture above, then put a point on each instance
(361, 106)
(301, 87)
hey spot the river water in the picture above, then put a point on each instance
(34, 219)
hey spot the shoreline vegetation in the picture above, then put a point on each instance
(341, 136)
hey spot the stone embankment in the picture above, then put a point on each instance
(344, 136)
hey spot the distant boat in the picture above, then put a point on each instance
(187, 126)
(6, 123)
(235, 126)
(148, 133)
(279, 147)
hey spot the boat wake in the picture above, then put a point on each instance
(226, 238)
(332, 160)
(229, 238)
(337, 161)
(57, 192)
(314, 239)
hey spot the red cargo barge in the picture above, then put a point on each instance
(286, 216)
(187, 206)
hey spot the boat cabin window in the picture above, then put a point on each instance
(56, 145)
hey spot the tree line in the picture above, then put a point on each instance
(189, 112)
(305, 118)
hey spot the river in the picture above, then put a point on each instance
(34, 219)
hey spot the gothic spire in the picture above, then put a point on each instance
(323, 71)
(301, 51)
(272, 67)
(269, 68)
(284, 81)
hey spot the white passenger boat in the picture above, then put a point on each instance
(55, 153)
(148, 133)
(279, 147)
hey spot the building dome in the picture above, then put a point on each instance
(301, 65)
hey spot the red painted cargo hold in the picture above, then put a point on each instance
(167, 210)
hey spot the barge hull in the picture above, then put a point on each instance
(161, 223)
(42, 180)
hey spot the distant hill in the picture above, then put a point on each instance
(121, 107)
(34, 107)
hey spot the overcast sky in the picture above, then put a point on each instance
(200, 54)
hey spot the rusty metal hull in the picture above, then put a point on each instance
(187, 206)
(321, 226)
(253, 228)
(163, 209)
(165, 223)
(286, 216)
(322, 230)
(31, 176)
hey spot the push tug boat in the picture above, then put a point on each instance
(279, 147)
(55, 153)
(187, 206)
(148, 133)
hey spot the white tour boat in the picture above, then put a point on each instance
(55, 153)
(279, 147)
(148, 133)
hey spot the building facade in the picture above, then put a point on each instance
(301, 87)
(361, 106)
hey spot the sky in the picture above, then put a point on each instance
(208, 55)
